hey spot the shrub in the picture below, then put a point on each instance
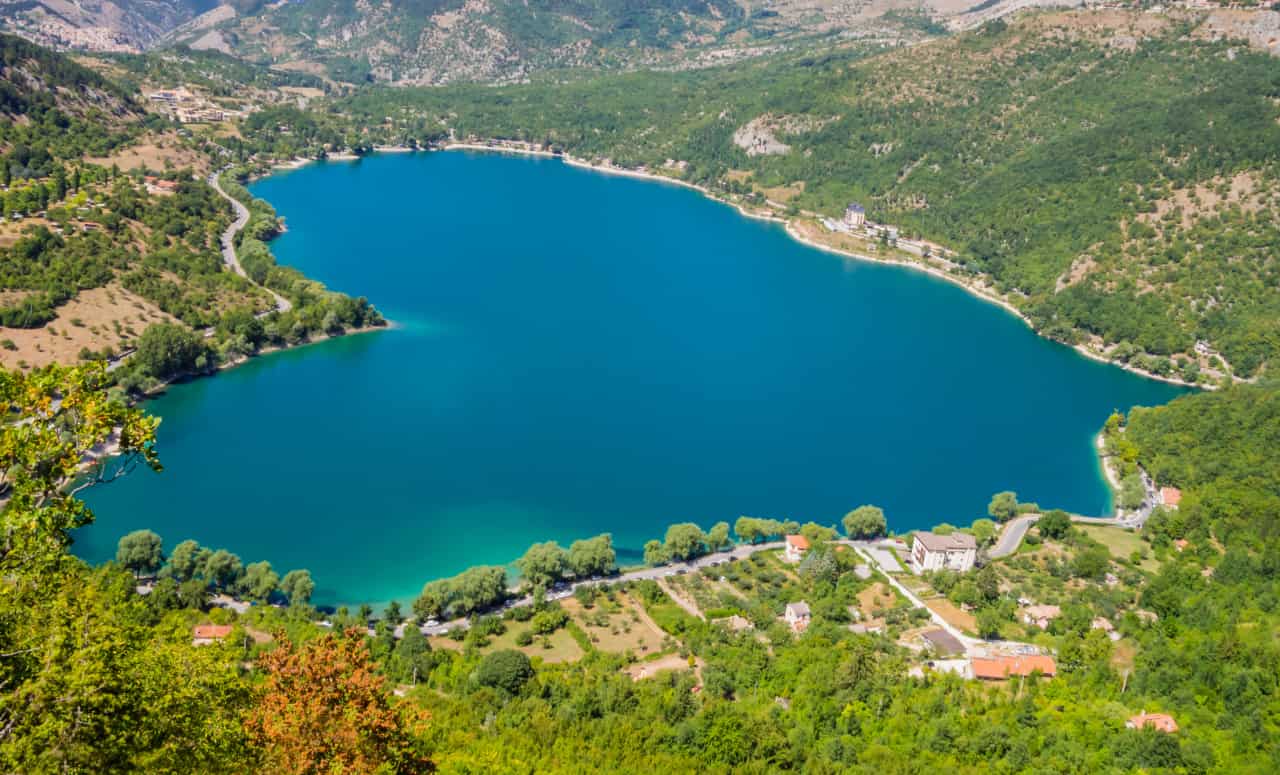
(507, 669)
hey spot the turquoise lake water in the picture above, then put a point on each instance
(579, 353)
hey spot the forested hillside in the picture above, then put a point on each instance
(1114, 175)
(698, 672)
(97, 261)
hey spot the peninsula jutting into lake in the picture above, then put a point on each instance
(578, 353)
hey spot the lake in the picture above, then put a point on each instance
(578, 353)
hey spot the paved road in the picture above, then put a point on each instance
(229, 237)
(229, 258)
(1012, 535)
(1016, 529)
(565, 590)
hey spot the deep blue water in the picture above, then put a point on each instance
(579, 353)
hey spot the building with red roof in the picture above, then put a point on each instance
(205, 634)
(797, 545)
(1002, 667)
(1161, 722)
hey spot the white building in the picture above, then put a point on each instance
(930, 552)
(797, 616)
(797, 545)
(855, 215)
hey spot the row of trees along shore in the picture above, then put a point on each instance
(547, 564)
(191, 573)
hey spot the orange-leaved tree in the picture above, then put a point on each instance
(323, 709)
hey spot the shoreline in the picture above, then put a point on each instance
(789, 226)
(163, 387)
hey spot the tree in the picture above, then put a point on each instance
(543, 564)
(865, 522)
(223, 569)
(1003, 506)
(298, 586)
(477, 588)
(592, 557)
(1054, 523)
(430, 603)
(817, 534)
(55, 417)
(194, 593)
(259, 581)
(984, 531)
(684, 541)
(505, 669)
(168, 349)
(141, 551)
(1132, 491)
(718, 536)
(393, 613)
(989, 622)
(323, 707)
(411, 658)
(188, 559)
(1092, 563)
(819, 566)
(747, 529)
(654, 553)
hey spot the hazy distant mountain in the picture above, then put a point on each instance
(98, 25)
(443, 41)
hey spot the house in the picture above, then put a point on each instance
(1170, 497)
(855, 215)
(1101, 623)
(942, 643)
(797, 616)
(1040, 615)
(797, 545)
(736, 623)
(1161, 722)
(1181, 544)
(930, 551)
(1002, 667)
(206, 634)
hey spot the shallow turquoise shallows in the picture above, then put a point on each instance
(579, 353)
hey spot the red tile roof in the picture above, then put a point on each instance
(1170, 496)
(1004, 667)
(1162, 722)
(798, 541)
(211, 631)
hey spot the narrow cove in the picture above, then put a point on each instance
(579, 353)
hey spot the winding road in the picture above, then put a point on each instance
(229, 241)
(229, 258)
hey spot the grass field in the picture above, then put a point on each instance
(629, 628)
(1121, 543)
(952, 615)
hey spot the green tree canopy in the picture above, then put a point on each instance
(168, 349)
(259, 581)
(543, 564)
(684, 541)
(298, 586)
(505, 669)
(865, 522)
(141, 551)
(1003, 506)
(592, 556)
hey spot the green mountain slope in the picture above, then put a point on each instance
(1114, 175)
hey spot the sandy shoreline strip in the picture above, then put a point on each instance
(789, 227)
